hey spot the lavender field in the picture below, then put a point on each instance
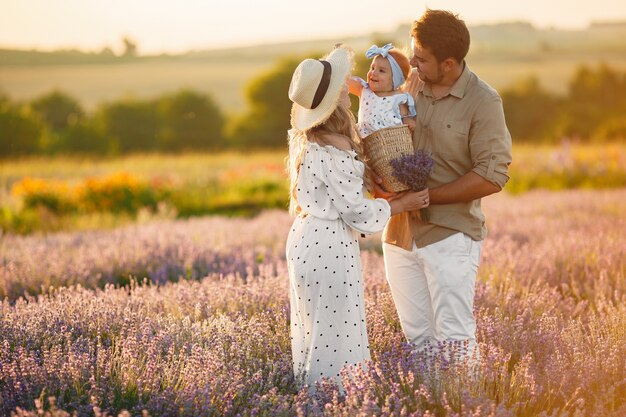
(192, 318)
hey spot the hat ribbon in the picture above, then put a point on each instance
(322, 88)
(396, 71)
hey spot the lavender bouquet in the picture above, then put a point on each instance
(414, 170)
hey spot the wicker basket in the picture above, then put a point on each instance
(384, 145)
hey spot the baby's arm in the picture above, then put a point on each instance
(407, 119)
(354, 86)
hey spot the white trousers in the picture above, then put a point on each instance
(433, 289)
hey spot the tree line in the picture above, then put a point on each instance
(593, 109)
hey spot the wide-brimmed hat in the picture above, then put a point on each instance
(316, 86)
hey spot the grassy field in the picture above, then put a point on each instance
(195, 167)
(94, 84)
(528, 160)
(73, 193)
(50, 194)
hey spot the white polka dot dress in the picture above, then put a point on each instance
(378, 112)
(326, 285)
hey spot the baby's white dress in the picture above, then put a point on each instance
(378, 112)
(323, 258)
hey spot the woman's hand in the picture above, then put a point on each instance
(379, 191)
(410, 201)
(415, 200)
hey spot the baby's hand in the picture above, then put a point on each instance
(410, 122)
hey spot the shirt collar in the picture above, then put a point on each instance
(460, 86)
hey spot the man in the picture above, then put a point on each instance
(431, 265)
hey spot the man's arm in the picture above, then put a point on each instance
(470, 186)
(490, 150)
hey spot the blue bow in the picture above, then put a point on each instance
(396, 71)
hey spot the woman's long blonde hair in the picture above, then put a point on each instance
(342, 122)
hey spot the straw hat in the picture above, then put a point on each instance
(316, 86)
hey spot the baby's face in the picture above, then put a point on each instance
(379, 77)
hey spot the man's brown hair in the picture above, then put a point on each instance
(442, 33)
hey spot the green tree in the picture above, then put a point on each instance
(530, 110)
(19, 130)
(60, 114)
(130, 125)
(130, 48)
(595, 96)
(58, 110)
(85, 138)
(611, 130)
(190, 120)
(267, 121)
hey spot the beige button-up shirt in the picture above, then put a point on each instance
(465, 131)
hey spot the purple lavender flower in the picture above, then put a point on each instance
(413, 169)
(217, 341)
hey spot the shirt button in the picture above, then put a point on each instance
(448, 126)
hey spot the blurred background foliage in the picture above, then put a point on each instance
(72, 163)
(141, 152)
(56, 123)
(592, 110)
(69, 193)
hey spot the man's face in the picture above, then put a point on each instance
(428, 68)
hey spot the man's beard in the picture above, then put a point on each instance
(430, 80)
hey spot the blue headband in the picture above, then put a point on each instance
(396, 71)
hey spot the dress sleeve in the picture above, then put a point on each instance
(401, 99)
(343, 176)
(411, 103)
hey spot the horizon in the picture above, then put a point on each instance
(159, 28)
(617, 22)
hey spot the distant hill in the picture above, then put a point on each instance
(502, 54)
(521, 36)
(18, 57)
(508, 38)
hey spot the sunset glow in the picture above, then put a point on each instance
(162, 26)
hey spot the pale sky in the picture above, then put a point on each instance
(177, 26)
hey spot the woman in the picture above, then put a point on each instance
(331, 209)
